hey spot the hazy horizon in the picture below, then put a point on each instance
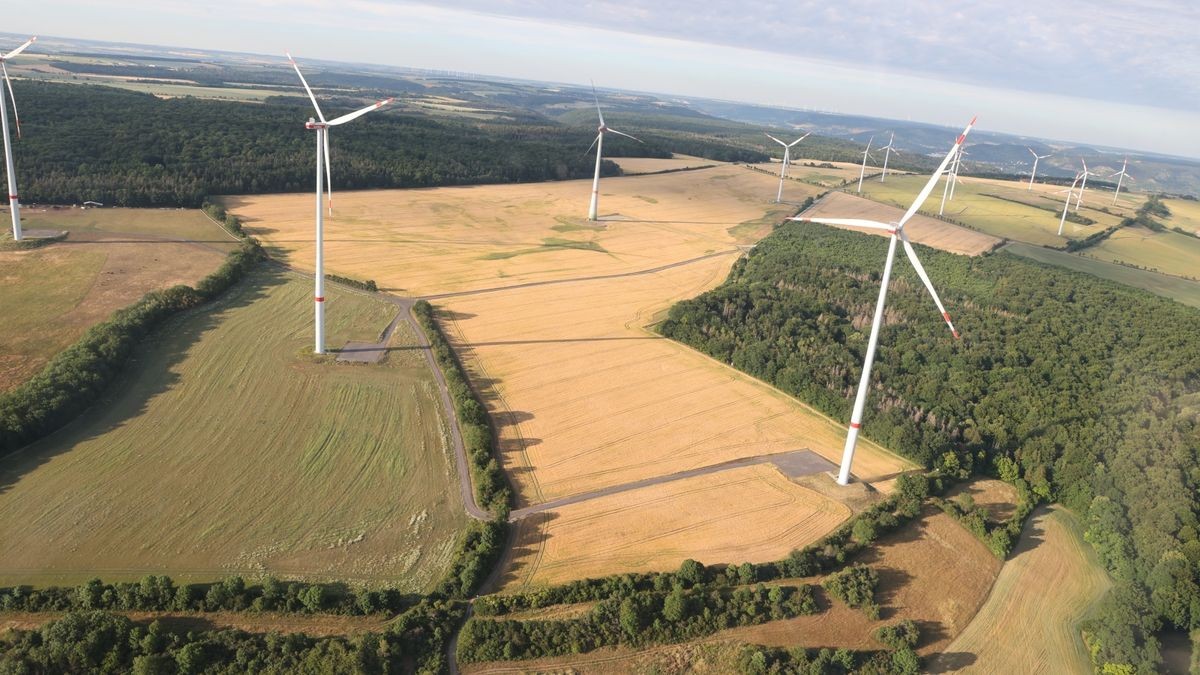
(940, 76)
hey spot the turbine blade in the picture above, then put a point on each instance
(799, 139)
(1031, 151)
(847, 222)
(320, 115)
(359, 113)
(20, 49)
(776, 140)
(916, 263)
(328, 174)
(597, 100)
(936, 174)
(622, 133)
(594, 142)
(12, 97)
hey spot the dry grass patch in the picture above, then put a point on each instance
(49, 296)
(997, 498)
(1185, 214)
(1030, 622)
(749, 514)
(921, 229)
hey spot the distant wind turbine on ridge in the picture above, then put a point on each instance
(14, 202)
(1067, 204)
(787, 157)
(599, 144)
(896, 230)
(889, 148)
(1036, 157)
(324, 177)
(1122, 176)
(1083, 185)
(862, 171)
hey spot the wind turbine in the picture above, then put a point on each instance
(1036, 157)
(14, 203)
(599, 143)
(324, 175)
(951, 181)
(1070, 193)
(863, 170)
(787, 157)
(1083, 185)
(954, 171)
(890, 148)
(1123, 175)
(896, 230)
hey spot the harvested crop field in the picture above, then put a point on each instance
(1185, 214)
(633, 166)
(1000, 208)
(752, 513)
(111, 258)
(228, 449)
(1165, 252)
(439, 240)
(1030, 622)
(921, 229)
(826, 174)
(585, 397)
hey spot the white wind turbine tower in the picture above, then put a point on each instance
(324, 176)
(787, 157)
(599, 143)
(951, 181)
(896, 230)
(1066, 204)
(14, 202)
(1036, 157)
(1083, 185)
(889, 148)
(863, 170)
(954, 171)
(1123, 175)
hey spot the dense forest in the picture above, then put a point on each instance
(1087, 390)
(126, 148)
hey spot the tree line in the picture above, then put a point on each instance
(1089, 388)
(125, 148)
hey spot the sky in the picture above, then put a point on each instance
(1110, 73)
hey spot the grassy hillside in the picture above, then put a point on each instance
(229, 449)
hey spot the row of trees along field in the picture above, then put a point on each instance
(125, 148)
(1090, 388)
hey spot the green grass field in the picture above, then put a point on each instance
(1166, 252)
(1185, 213)
(1179, 290)
(228, 448)
(999, 208)
(52, 294)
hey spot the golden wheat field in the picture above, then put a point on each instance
(751, 513)
(584, 395)
(921, 229)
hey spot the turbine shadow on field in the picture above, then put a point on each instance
(130, 393)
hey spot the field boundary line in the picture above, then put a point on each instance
(599, 277)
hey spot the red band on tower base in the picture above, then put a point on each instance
(12, 198)
(319, 298)
(855, 425)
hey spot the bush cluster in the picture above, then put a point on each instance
(491, 485)
(637, 618)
